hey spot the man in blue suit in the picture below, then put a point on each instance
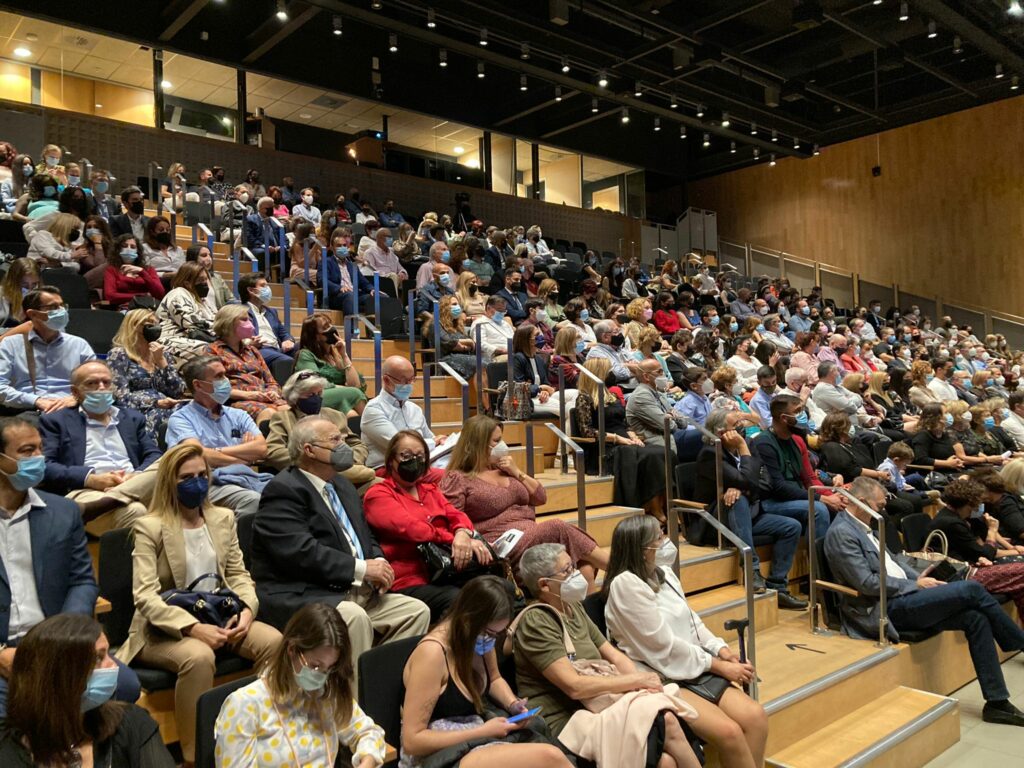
(97, 454)
(45, 568)
(514, 296)
(260, 233)
(272, 339)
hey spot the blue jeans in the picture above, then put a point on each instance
(272, 355)
(967, 606)
(797, 510)
(784, 532)
(128, 687)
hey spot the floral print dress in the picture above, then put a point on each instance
(135, 387)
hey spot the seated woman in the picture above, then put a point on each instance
(547, 678)
(304, 393)
(280, 719)
(408, 509)
(220, 292)
(704, 350)
(531, 368)
(677, 360)
(983, 435)
(920, 393)
(569, 349)
(483, 481)
(885, 397)
(144, 374)
(186, 321)
(728, 394)
(159, 248)
(965, 442)
(650, 621)
(323, 351)
(974, 538)
(549, 293)
(744, 362)
(59, 711)
(99, 243)
(858, 384)
(456, 345)
(578, 316)
(304, 255)
(127, 275)
(467, 291)
(446, 681)
(183, 539)
(666, 319)
(61, 245)
(253, 387)
(639, 313)
(649, 345)
(21, 277)
(934, 445)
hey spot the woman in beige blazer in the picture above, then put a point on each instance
(181, 539)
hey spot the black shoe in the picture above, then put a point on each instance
(790, 602)
(1002, 713)
(759, 586)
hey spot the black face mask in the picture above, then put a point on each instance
(164, 238)
(151, 333)
(74, 234)
(473, 289)
(413, 469)
(137, 207)
(621, 319)
(202, 290)
(618, 340)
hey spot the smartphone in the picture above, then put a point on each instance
(525, 715)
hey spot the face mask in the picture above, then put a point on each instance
(28, 170)
(310, 680)
(761, 328)
(99, 688)
(618, 340)
(805, 310)
(52, 162)
(483, 646)
(341, 457)
(445, 279)
(456, 311)
(989, 422)
(446, 257)
(473, 289)
(1004, 414)
(648, 314)
(967, 417)
(243, 198)
(49, 191)
(714, 321)
(949, 419)
(101, 187)
(891, 339)
(762, 311)
(164, 238)
(968, 384)
(265, 294)
(661, 383)
(98, 402)
(129, 255)
(57, 319)
(307, 199)
(221, 391)
(929, 378)
(245, 330)
(311, 404)
(802, 419)
(707, 387)
(138, 207)
(412, 470)
(737, 389)
(733, 327)
(74, 181)
(403, 392)
(666, 554)
(29, 474)
(574, 589)
(192, 492)
(388, 241)
(580, 346)
(585, 315)
(852, 431)
(1000, 380)
(202, 290)
(151, 333)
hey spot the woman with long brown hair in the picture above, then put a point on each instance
(302, 709)
(20, 278)
(59, 712)
(186, 320)
(323, 350)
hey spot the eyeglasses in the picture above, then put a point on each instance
(305, 375)
(490, 635)
(314, 667)
(563, 574)
(410, 455)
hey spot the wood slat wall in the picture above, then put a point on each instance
(946, 217)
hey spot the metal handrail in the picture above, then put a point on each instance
(352, 323)
(581, 476)
(479, 371)
(243, 251)
(209, 236)
(462, 383)
(719, 480)
(883, 618)
(601, 436)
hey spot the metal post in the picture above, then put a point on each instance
(288, 304)
(529, 449)
(719, 489)
(378, 353)
(508, 360)
(354, 270)
(437, 332)
(465, 389)
(426, 392)
(561, 416)
(412, 329)
(305, 260)
(282, 247)
(325, 301)
(376, 300)
(672, 526)
(241, 94)
(479, 372)
(812, 571)
(670, 462)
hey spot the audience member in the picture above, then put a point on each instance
(219, 292)
(323, 350)
(186, 320)
(494, 334)
(253, 387)
(21, 278)
(273, 340)
(647, 407)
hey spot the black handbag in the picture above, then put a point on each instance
(198, 334)
(217, 607)
(441, 566)
(709, 686)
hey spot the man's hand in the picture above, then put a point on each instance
(837, 481)
(927, 582)
(102, 481)
(835, 502)
(248, 437)
(733, 441)
(379, 574)
(49, 404)
(731, 496)
(287, 345)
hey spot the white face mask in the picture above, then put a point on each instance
(661, 383)
(499, 451)
(666, 554)
(573, 589)
(307, 199)
(708, 386)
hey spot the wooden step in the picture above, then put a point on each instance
(601, 520)
(561, 490)
(903, 727)
(706, 567)
(717, 606)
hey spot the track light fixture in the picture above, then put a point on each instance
(480, 73)
(558, 93)
(673, 103)
(753, 129)
(757, 153)
(442, 56)
(707, 140)
(602, 79)
(282, 10)
(817, 150)
(933, 31)
(336, 23)
(625, 115)
(999, 71)
(775, 135)
(638, 90)
(700, 110)
(771, 160)
(593, 105)
(1014, 83)
(565, 65)
(732, 147)
(483, 36)
(431, 20)
(725, 120)
(796, 143)
(958, 45)
(682, 131)
(522, 83)
(524, 51)
(393, 42)
(376, 5)
(904, 12)
(657, 124)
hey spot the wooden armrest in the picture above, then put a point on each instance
(689, 504)
(390, 753)
(102, 606)
(921, 466)
(837, 587)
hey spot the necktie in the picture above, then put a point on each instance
(339, 510)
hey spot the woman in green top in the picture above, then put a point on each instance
(323, 350)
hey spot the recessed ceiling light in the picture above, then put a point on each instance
(165, 84)
(99, 106)
(22, 52)
(305, 115)
(31, 37)
(458, 150)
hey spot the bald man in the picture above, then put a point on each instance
(647, 406)
(393, 411)
(442, 285)
(438, 254)
(98, 455)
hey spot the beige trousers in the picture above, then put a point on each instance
(133, 494)
(392, 617)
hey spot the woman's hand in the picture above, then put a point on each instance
(481, 552)
(518, 706)
(156, 354)
(499, 728)
(462, 549)
(507, 466)
(215, 637)
(645, 681)
(166, 402)
(239, 626)
(735, 672)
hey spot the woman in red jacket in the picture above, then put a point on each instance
(127, 275)
(407, 509)
(667, 320)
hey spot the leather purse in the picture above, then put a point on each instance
(441, 566)
(217, 607)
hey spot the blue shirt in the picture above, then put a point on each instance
(760, 404)
(694, 406)
(799, 323)
(54, 363)
(223, 431)
(890, 467)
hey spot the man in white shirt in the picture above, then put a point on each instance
(1013, 418)
(306, 210)
(392, 411)
(940, 385)
(494, 331)
(272, 339)
(438, 254)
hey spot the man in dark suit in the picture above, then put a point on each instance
(132, 222)
(514, 295)
(311, 544)
(45, 568)
(740, 474)
(272, 339)
(260, 233)
(916, 602)
(97, 454)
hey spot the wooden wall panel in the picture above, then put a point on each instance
(76, 94)
(16, 81)
(946, 217)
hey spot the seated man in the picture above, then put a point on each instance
(260, 234)
(741, 473)
(389, 217)
(609, 345)
(514, 295)
(438, 254)
(133, 221)
(311, 544)
(230, 439)
(443, 284)
(919, 603)
(783, 454)
(767, 388)
(647, 406)
(796, 385)
(832, 397)
(46, 565)
(41, 380)
(391, 412)
(494, 331)
(272, 338)
(97, 453)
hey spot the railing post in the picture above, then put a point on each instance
(412, 328)
(347, 329)
(324, 292)
(670, 462)
(282, 248)
(354, 270)
(812, 571)
(529, 448)
(508, 359)
(376, 299)
(719, 489)
(426, 391)
(288, 304)
(305, 260)
(479, 372)
(310, 301)
(463, 384)
(378, 353)
(561, 417)
(601, 435)
(437, 332)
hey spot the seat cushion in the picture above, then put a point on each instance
(161, 680)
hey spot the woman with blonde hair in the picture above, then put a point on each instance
(50, 163)
(888, 401)
(548, 292)
(569, 348)
(467, 291)
(21, 277)
(484, 482)
(405, 246)
(920, 393)
(61, 244)
(186, 320)
(187, 543)
(639, 312)
(966, 447)
(253, 387)
(457, 347)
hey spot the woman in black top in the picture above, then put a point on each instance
(933, 444)
(1003, 501)
(678, 359)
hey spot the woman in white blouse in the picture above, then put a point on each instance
(650, 621)
(161, 252)
(301, 709)
(744, 362)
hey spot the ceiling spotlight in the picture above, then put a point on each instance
(282, 11)
(558, 93)
(732, 147)
(1014, 83)
(904, 12)
(958, 45)
(376, 5)
(458, 150)
(522, 83)
(480, 70)
(700, 110)
(1015, 10)
(99, 106)
(673, 103)
(483, 36)
(638, 90)
(771, 159)
(707, 140)
(22, 52)
(682, 131)
(602, 79)
(725, 120)
(165, 84)
(796, 143)
(775, 135)
(999, 71)
(625, 115)
(524, 51)
(565, 65)
(593, 105)
(443, 58)
(932, 30)
(393, 42)
(753, 129)
(336, 23)
(876, 2)
(431, 21)
(657, 124)
(817, 150)
(757, 153)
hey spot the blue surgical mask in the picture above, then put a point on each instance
(445, 279)
(484, 645)
(585, 315)
(580, 346)
(29, 474)
(192, 492)
(929, 378)
(92, 232)
(100, 687)
(456, 310)
(498, 317)
(446, 257)
(129, 255)
(221, 391)
(891, 339)
(989, 422)
(57, 319)
(98, 402)
(28, 170)
(388, 241)
(802, 419)
(761, 328)
(74, 181)
(907, 337)
(1005, 414)
(265, 294)
(968, 384)
(101, 187)
(403, 392)
(949, 419)
(310, 680)
(805, 310)
(733, 327)
(49, 192)
(715, 321)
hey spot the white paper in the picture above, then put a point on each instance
(505, 543)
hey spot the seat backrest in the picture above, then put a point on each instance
(496, 373)
(73, 287)
(686, 479)
(915, 530)
(282, 369)
(829, 599)
(391, 322)
(879, 450)
(115, 582)
(95, 326)
(355, 424)
(381, 690)
(207, 709)
(243, 527)
(594, 606)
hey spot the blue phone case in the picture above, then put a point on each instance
(524, 715)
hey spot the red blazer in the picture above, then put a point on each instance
(400, 522)
(666, 322)
(119, 288)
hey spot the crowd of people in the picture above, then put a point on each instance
(368, 526)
